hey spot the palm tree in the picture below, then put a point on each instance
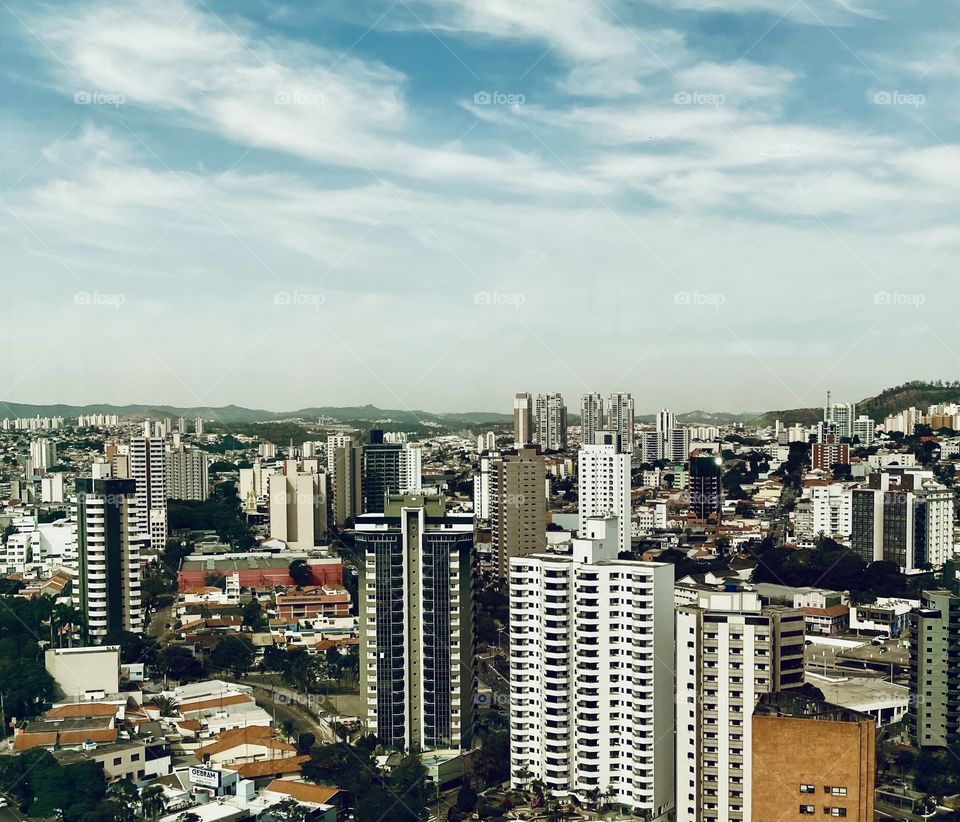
(151, 799)
(65, 619)
(167, 705)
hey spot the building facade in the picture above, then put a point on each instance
(523, 430)
(933, 717)
(591, 418)
(108, 550)
(603, 477)
(517, 505)
(811, 759)
(730, 651)
(551, 422)
(591, 673)
(148, 470)
(620, 419)
(188, 474)
(298, 509)
(416, 623)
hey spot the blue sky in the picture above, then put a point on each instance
(718, 204)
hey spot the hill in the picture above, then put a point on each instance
(918, 394)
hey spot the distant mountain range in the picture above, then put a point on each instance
(889, 401)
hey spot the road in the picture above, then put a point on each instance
(285, 703)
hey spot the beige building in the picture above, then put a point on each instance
(811, 759)
(80, 671)
(298, 509)
(518, 506)
(345, 462)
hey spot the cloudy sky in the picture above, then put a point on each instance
(717, 204)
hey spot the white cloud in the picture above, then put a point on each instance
(335, 110)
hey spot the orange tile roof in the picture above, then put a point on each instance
(267, 767)
(252, 735)
(93, 734)
(190, 724)
(832, 611)
(24, 741)
(303, 791)
(86, 710)
(214, 702)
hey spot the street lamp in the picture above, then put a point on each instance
(500, 631)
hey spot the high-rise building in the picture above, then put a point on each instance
(148, 470)
(298, 509)
(345, 462)
(188, 474)
(416, 623)
(551, 414)
(864, 430)
(517, 505)
(730, 650)
(838, 418)
(933, 717)
(706, 491)
(198, 426)
(108, 549)
(668, 442)
(389, 468)
(591, 673)
(620, 419)
(591, 418)
(811, 759)
(43, 454)
(904, 517)
(824, 455)
(603, 477)
(523, 432)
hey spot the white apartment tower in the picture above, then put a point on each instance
(591, 418)
(591, 673)
(620, 419)
(148, 470)
(107, 589)
(730, 650)
(839, 418)
(551, 420)
(603, 475)
(43, 454)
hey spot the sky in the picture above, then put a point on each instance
(726, 205)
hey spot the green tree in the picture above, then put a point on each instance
(253, 616)
(176, 662)
(233, 653)
(300, 573)
(151, 800)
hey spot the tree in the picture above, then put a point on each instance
(253, 617)
(289, 810)
(151, 800)
(233, 653)
(127, 799)
(466, 797)
(167, 705)
(179, 664)
(300, 573)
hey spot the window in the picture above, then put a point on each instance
(835, 791)
(807, 810)
(117, 760)
(837, 811)
(807, 789)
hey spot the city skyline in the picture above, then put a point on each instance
(470, 174)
